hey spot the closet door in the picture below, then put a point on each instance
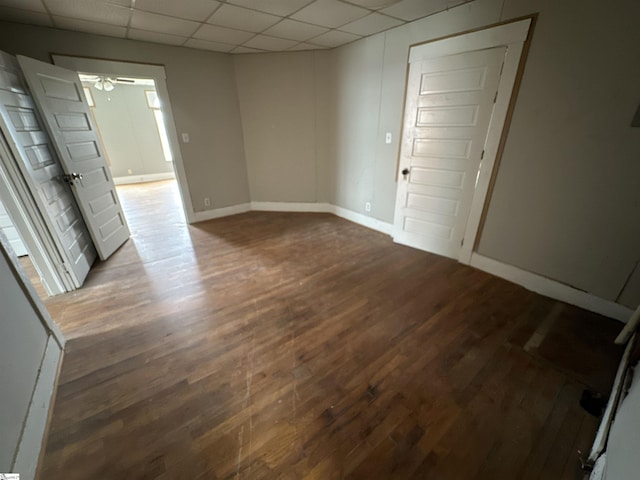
(59, 96)
(35, 157)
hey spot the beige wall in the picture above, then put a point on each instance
(202, 91)
(128, 129)
(566, 200)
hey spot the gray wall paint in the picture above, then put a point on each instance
(22, 343)
(566, 199)
(129, 132)
(279, 125)
(202, 92)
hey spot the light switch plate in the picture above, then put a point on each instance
(388, 137)
(185, 138)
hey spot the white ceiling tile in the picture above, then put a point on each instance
(372, 4)
(156, 37)
(25, 16)
(213, 33)
(330, 13)
(204, 45)
(163, 24)
(246, 50)
(198, 10)
(334, 38)
(91, 10)
(264, 42)
(413, 9)
(306, 46)
(277, 7)
(371, 24)
(122, 3)
(294, 30)
(33, 5)
(243, 19)
(89, 27)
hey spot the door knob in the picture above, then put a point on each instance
(406, 172)
(70, 177)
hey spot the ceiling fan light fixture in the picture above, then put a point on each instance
(99, 84)
(108, 85)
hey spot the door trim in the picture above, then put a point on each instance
(513, 36)
(25, 215)
(157, 72)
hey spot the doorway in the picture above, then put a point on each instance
(459, 90)
(131, 124)
(113, 70)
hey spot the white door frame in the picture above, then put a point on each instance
(513, 36)
(157, 73)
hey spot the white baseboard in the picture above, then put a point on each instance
(364, 220)
(292, 207)
(150, 177)
(530, 281)
(35, 425)
(551, 288)
(355, 217)
(220, 212)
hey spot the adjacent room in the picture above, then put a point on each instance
(319, 239)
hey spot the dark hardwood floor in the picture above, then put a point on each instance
(282, 345)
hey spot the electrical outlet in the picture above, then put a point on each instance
(129, 171)
(367, 206)
(207, 202)
(185, 138)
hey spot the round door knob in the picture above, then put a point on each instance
(406, 172)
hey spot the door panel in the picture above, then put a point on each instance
(8, 228)
(36, 159)
(448, 109)
(58, 93)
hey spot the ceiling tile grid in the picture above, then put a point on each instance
(229, 26)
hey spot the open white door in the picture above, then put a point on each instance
(29, 158)
(59, 95)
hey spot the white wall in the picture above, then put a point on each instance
(202, 90)
(129, 132)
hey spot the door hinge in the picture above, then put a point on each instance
(482, 155)
(462, 242)
(495, 98)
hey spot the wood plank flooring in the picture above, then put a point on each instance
(289, 346)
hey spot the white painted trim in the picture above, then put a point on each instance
(505, 34)
(364, 220)
(149, 177)
(32, 438)
(551, 288)
(291, 207)
(26, 217)
(355, 217)
(492, 141)
(220, 212)
(157, 72)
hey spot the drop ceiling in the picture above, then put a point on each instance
(231, 26)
